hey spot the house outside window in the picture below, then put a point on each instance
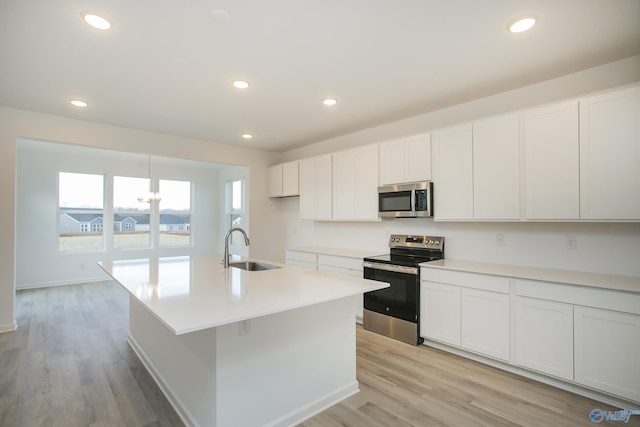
(80, 212)
(131, 218)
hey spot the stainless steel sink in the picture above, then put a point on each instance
(252, 266)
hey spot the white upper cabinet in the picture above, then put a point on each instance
(610, 155)
(355, 190)
(315, 188)
(477, 170)
(283, 180)
(453, 173)
(405, 160)
(552, 175)
(496, 168)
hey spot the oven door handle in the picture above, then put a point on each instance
(391, 267)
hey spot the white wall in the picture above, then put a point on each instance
(602, 247)
(573, 85)
(607, 248)
(19, 124)
(36, 220)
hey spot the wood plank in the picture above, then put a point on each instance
(69, 365)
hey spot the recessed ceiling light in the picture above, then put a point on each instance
(240, 84)
(96, 21)
(78, 103)
(522, 24)
(329, 101)
(247, 136)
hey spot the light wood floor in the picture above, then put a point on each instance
(69, 365)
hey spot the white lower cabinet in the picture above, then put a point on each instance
(474, 319)
(587, 336)
(339, 264)
(349, 267)
(440, 312)
(302, 259)
(486, 323)
(544, 336)
(607, 351)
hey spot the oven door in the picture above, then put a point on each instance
(401, 299)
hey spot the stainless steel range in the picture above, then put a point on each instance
(395, 311)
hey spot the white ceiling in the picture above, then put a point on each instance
(168, 65)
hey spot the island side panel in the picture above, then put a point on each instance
(184, 366)
(289, 366)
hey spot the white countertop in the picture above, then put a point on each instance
(191, 293)
(349, 253)
(597, 280)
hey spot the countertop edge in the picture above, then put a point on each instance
(327, 250)
(569, 277)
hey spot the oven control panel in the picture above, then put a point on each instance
(410, 241)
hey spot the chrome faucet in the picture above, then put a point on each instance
(225, 259)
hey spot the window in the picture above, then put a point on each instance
(236, 205)
(80, 211)
(131, 218)
(175, 213)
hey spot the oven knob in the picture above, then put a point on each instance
(437, 242)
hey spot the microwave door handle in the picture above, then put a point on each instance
(414, 201)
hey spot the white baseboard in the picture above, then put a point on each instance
(291, 419)
(174, 401)
(302, 414)
(9, 327)
(552, 381)
(25, 286)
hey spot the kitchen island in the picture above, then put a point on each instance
(230, 347)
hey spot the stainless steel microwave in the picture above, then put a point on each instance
(411, 200)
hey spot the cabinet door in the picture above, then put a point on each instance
(392, 158)
(418, 158)
(366, 195)
(486, 323)
(440, 312)
(453, 173)
(275, 181)
(355, 192)
(552, 174)
(496, 168)
(607, 347)
(610, 155)
(315, 188)
(323, 188)
(344, 185)
(307, 188)
(544, 336)
(290, 179)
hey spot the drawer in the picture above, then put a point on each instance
(468, 280)
(309, 257)
(626, 302)
(340, 262)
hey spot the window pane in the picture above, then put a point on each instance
(236, 212)
(236, 191)
(175, 213)
(80, 211)
(130, 217)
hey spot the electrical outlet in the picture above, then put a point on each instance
(571, 242)
(244, 327)
(500, 239)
